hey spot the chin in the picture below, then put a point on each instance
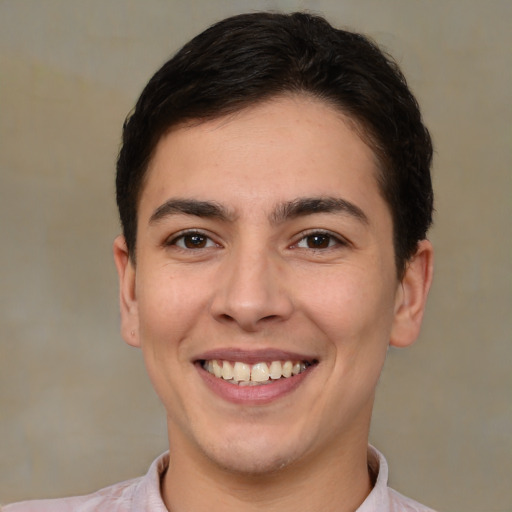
(251, 465)
(251, 456)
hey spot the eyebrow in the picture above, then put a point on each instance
(208, 209)
(299, 207)
(310, 205)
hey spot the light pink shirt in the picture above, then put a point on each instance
(143, 494)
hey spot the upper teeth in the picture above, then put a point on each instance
(259, 372)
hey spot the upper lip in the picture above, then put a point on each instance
(253, 356)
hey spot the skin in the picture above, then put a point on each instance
(257, 282)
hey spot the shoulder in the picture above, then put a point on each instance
(115, 498)
(129, 496)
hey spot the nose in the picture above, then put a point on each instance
(250, 291)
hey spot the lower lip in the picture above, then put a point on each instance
(252, 395)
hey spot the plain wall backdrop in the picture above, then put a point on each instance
(77, 411)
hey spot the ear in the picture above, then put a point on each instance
(127, 293)
(411, 296)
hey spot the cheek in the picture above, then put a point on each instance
(169, 305)
(353, 308)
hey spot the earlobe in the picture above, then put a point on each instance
(412, 296)
(127, 293)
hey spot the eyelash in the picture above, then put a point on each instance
(332, 240)
(174, 240)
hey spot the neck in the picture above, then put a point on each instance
(335, 481)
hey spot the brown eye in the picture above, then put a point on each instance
(193, 241)
(318, 241)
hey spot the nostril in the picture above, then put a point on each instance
(269, 318)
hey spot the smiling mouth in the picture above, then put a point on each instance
(262, 373)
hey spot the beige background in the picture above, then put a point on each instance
(76, 409)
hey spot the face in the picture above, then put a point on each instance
(265, 293)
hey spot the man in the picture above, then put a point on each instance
(274, 191)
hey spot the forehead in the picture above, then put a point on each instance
(269, 152)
